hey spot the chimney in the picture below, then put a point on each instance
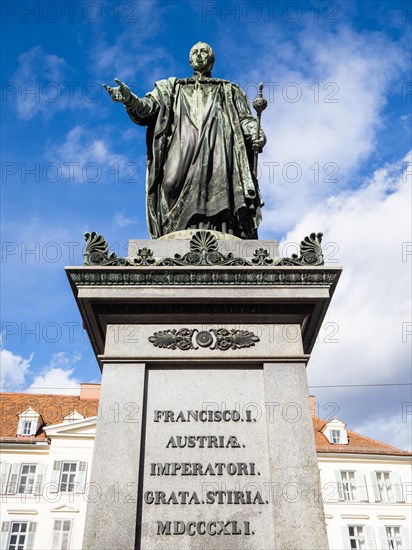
(90, 391)
(312, 405)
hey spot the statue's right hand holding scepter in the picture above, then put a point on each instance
(122, 93)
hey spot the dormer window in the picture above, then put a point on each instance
(29, 422)
(26, 427)
(335, 436)
(335, 432)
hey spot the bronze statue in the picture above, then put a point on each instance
(201, 145)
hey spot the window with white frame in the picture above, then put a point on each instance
(335, 436)
(17, 478)
(351, 486)
(18, 535)
(26, 427)
(386, 486)
(26, 478)
(394, 538)
(357, 536)
(29, 423)
(61, 534)
(68, 476)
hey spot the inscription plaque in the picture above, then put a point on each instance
(206, 481)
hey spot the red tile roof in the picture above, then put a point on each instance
(53, 409)
(357, 443)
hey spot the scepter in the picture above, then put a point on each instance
(259, 104)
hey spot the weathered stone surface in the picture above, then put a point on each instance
(189, 233)
(160, 320)
(112, 495)
(239, 392)
(133, 341)
(180, 244)
(298, 506)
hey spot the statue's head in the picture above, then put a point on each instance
(202, 57)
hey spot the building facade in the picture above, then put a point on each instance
(366, 489)
(46, 454)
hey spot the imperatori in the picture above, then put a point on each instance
(212, 497)
(196, 469)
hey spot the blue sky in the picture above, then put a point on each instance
(337, 77)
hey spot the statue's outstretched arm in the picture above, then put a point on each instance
(121, 93)
(138, 109)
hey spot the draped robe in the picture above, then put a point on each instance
(199, 157)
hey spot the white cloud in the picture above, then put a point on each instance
(123, 221)
(131, 55)
(57, 381)
(332, 128)
(14, 370)
(367, 229)
(372, 300)
(38, 83)
(56, 377)
(386, 429)
(86, 157)
(45, 84)
(62, 359)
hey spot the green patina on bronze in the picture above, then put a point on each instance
(185, 276)
(203, 252)
(202, 145)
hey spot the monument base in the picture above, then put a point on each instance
(205, 436)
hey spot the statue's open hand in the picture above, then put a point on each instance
(121, 93)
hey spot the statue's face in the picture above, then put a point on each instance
(201, 57)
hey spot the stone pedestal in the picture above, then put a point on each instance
(205, 438)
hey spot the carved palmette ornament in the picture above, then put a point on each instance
(221, 339)
(172, 339)
(233, 339)
(203, 252)
(310, 252)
